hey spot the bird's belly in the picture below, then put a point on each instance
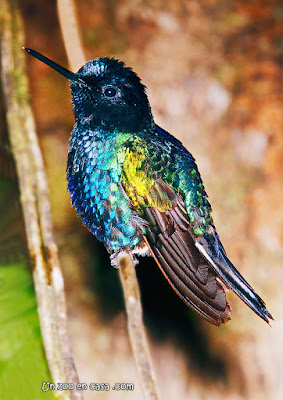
(104, 208)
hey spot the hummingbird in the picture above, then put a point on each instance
(138, 189)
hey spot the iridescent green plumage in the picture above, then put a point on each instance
(137, 189)
(157, 158)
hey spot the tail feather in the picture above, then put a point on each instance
(231, 276)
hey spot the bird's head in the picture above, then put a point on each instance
(106, 94)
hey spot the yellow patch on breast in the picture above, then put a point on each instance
(142, 189)
(136, 178)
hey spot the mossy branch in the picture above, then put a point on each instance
(48, 280)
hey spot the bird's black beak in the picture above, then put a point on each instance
(63, 71)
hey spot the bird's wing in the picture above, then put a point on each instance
(165, 188)
(168, 233)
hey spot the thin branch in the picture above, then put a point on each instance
(127, 273)
(136, 328)
(71, 33)
(47, 274)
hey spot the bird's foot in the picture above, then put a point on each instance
(115, 256)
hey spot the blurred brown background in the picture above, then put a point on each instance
(212, 70)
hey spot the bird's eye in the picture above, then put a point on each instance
(110, 91)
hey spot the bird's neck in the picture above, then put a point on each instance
(116, 123)
(86, 137)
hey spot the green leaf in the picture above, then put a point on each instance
(23, 365)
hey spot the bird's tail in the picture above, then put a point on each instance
(198, 269)
(231, 277)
